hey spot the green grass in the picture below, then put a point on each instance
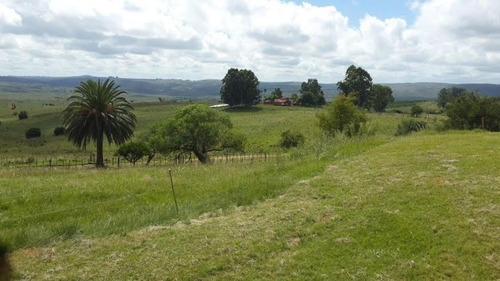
(422, 207)
(40, 206)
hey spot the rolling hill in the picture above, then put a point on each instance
(21, 87)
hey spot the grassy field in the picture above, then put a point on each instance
(418, 207)
(377, 206)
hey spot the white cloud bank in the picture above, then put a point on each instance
(450, 41)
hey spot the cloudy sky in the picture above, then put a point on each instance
(455, 41)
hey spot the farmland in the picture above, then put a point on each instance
(423, 206)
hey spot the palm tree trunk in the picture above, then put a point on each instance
(99, 163)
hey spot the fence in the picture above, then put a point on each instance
(117, 161)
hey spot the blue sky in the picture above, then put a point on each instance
(357, 9)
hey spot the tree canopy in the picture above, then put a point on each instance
(276, 94)
(240, 87)
(381, 97)
(468, 110)
(199, 130)
(311, 93)
(133, 151)
(357, 83)
(447, 95)
(98, 110)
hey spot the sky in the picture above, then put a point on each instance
(454, 41)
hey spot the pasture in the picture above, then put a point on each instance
(423, 206)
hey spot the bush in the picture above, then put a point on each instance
(408, 126)
(291, 139)
(23, 115)
(133, 151)
(416, 110)
(59, 131)
(33, 133)
(342, 116)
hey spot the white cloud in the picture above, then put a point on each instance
(451, 40)
(9, 16)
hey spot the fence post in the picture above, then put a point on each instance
(118, 161)
(173, 190)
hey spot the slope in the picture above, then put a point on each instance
(423, 207)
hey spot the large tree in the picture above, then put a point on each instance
(311, 93)
(98, 110)
(240, 87)
(381, 96)
(199, 130)
(357, 83)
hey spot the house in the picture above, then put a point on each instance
(282, 102)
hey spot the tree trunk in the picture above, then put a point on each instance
(150, 157)
(202, 157)
(99, 163)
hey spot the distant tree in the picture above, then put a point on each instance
(99, 110)
(59, 131)
(381, 97)
(311, 93)
(133, 151)
(276, 94)
(23, 115)
(447, 95)
(33, 133)
(291, 139)
(468, 110)
(341, 116)
(416, 110)
(295, 98)
(199, 130)
(357, 80)
(240, 87)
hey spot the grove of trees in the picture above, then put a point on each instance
(358, 85)
(98, 110)
(240, 88)
(471, 111)
(311, 93)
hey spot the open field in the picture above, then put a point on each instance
(418, 207)
(424, 206)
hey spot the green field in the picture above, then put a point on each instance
(423, 206)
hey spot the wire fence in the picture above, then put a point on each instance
(118, 161)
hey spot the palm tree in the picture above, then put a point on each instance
(99, 110)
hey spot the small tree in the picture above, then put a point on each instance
(33, 133)
(291, 139)
(200, 130)
(23, 115)
(341, 116)
(276, 94)
(416, 110)
(381, 96)
(133, 151)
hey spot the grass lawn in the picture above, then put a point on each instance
(422, 207)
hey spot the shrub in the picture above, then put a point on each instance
(23, 115)
(133, 151)
(59, 131)
(416, 110)
(291, 139)
(33, 133)
(408, 126)
(342, 116)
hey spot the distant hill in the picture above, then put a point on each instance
(26, 86)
